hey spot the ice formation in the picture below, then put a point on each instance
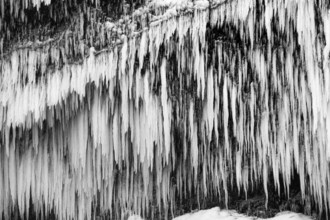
(203, 95)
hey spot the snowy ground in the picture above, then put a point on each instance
(216, 214)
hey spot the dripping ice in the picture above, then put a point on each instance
(103, 116)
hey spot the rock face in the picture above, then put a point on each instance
(105, 113)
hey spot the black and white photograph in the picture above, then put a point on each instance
(164, 109)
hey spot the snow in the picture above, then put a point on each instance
(217, 214)
(169, 3)
(200, 4)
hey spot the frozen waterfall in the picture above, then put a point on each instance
(177, 98)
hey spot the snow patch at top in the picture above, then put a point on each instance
(200, 4)
(170, 3)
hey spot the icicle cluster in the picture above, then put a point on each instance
(204, 96)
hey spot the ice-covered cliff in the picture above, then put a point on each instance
(172, 100)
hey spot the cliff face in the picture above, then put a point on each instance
(102, 114)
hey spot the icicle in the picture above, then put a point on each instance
(225, 117)
(193, 137)
(166, 111)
